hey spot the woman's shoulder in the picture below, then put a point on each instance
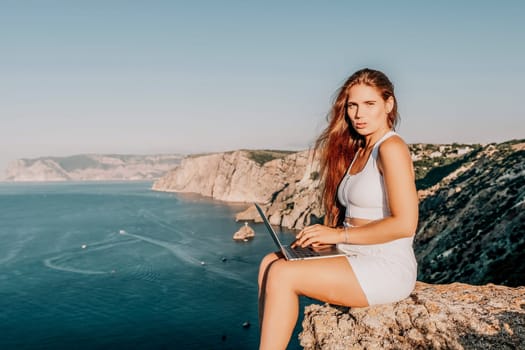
(393, 146)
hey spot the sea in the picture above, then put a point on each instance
(111, 265)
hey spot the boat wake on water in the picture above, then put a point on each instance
(181, 252)
(68, 261)
(60, 262)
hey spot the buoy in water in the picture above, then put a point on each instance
(122, 232)
(246, 324)
(84, 246)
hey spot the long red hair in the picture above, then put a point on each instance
(338, 143)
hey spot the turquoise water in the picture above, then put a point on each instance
(116, 265)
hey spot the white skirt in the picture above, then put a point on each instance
(387, 272)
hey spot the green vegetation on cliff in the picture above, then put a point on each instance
(432, 162)
(263, 156)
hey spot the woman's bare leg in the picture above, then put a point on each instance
(330, 280)
(264, 267)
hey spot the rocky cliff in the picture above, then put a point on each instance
(92, 167)
(286, 182)
(453, 316)
(472, 222)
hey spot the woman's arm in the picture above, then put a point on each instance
(395, 163)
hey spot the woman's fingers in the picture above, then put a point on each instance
(315, 235)
(307, 236)
(300, 238)
(308, 240)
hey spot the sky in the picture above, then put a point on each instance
(144, 77)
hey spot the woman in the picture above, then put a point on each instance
(371, 208)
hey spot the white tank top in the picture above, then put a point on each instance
(363, 194)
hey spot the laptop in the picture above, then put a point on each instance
(299, 253)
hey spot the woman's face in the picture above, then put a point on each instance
(367, 110)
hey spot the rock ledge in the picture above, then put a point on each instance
(447, 316)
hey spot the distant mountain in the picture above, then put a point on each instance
(92, 167)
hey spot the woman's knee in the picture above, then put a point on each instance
(265, 264)
(280, 275)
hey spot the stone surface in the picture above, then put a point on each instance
(472, 222)
(451, 316)
(245, 232)
(250, 213)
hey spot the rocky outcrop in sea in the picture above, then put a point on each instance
(244, 233)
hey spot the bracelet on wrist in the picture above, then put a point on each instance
(345, 232)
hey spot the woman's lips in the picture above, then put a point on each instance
(360, 125)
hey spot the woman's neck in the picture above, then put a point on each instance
(371, 140)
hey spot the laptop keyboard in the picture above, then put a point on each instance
(301, 252)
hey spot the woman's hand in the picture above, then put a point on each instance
(317, 235)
